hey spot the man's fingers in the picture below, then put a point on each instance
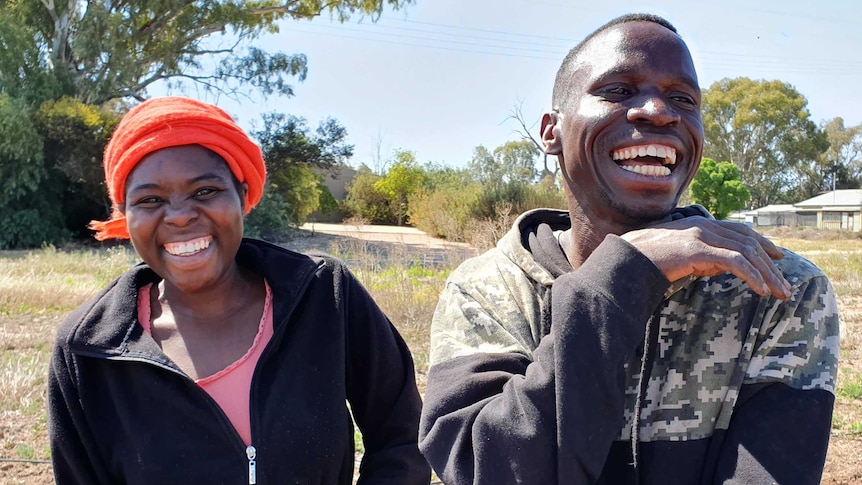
(758, 268)
(771, 249)
(706, 247)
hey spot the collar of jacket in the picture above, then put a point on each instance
(109, 328)
(514, 244)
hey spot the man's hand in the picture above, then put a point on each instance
(702, 247)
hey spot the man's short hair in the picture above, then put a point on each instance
(564, 75)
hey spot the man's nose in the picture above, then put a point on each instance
(654, 110)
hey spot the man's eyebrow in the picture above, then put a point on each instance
(631, 71)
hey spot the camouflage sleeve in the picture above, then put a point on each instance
(780, 425)
(798, 342)
(486, 307)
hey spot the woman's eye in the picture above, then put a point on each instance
(148, 201)
(205, 192)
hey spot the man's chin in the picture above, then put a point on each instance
(641, 215)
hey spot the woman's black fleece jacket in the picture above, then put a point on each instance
(121, 412)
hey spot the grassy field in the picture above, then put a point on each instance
(37, 288)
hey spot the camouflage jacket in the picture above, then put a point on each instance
(508, 399)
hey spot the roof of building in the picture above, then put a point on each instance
(772, 208)
(844, 198)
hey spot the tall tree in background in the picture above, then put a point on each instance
(839, 166)
(526, 133)
(75, 135)
(717, 187)
(403, 178)
(97, 51)
(29, 207)
(512, 163)
(764, 128)
(843, 159)
(297, 159)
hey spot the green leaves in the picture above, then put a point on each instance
(717, 186)
(404, 178)
(21, 162)
(98, 51)
(764, 128)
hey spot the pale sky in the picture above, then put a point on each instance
(441, 77)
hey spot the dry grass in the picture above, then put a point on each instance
(37, 288)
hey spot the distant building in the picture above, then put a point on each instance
(338, 188)
(837, 209)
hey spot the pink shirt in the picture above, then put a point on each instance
(231, 386)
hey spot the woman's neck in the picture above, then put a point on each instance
(240, 288)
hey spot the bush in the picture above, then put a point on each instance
(446, 212)
(270, 219)
(29, 228)
(366, 201)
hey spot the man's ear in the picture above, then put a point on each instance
(551, 137)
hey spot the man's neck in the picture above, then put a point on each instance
(587, 233)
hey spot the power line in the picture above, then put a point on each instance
(445, 37)
(541, 51)
(439, 47)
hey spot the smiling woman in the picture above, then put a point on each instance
(221, 359)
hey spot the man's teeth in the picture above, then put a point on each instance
(651, 170)
(187, 248)
(659, 151)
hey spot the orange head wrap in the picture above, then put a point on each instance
(175, 121)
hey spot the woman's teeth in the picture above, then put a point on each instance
(187, 248)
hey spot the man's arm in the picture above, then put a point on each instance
(499, 418)
(779, 430)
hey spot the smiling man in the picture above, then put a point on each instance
(628, 340)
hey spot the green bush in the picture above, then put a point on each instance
(365, 201)
(270, 219)
(29, 228)
(445, 212)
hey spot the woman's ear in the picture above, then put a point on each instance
(243, 194)
(551, 137)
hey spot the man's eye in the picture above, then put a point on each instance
(617, 91)
(681, 98)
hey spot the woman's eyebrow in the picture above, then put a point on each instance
(207, 176)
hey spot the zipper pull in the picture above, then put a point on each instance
(251, 453)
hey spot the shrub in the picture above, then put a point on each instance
(270, 219)
(446, 212)
(365, 200)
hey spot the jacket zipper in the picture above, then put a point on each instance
(251, 453)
